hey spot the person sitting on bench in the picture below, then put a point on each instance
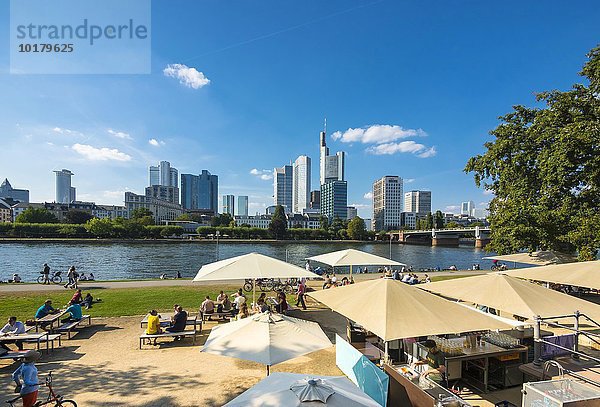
(153, 327)
(45, 309)
(208, 307)
(179, 322)
(75, 313)
(76, 298)
(11, 328)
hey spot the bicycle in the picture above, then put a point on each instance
(499, 267)
(55, 278)
(52, 397)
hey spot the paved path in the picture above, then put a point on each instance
(89, 285)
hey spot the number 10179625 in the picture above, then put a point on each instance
(46, 48)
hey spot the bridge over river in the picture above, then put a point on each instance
(443, 237)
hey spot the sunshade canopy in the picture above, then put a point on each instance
(252, 265)
(394, 310)
(540, 258)
(580, 274)
(512, 295)
(276, 390)
(352, 257)
(266, 338)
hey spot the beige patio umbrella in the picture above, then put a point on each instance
(353, 257)
(266, 338)
(540, 258)
(250, 266)
(295, 389)
(579, 274)
(394, 310)
(512, 295)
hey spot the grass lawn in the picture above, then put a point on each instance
(442, 278)
(116, 302)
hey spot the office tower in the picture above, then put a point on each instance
(323, 152)
(334, 200)
(229, 204)
(65, 193)
(467, 208)
(331, 166)
(17, 195)
(352, 212)
(163, 174)
(242, 205)
(417, 202)
(315, 199)
(301, 184)
(164, 182)
(200, 191)
(387, 203)
(283, 187)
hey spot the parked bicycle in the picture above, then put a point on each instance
(263, 284)
(55, 278)
(53, 399)
(499, 267)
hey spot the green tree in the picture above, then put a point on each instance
(438, 220)
(357, 229)
(36, 215)
(77, 216)
(223, 219)
(140, 213)
(278, 225)
(543, 167)
(185, 216)
(100, 227)
(324, 222)
(336, 225)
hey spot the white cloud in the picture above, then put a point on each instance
(120, 134)
(156, 143)
(187, 76)
(376, 134)
(488, 192)
(452, 208)
(385, 137)
(368, 195)
(409, 180)
(408, 146)
(360, 206)
(68, 132)
(265, 175)
(100, 154)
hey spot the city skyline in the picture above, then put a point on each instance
(416, 105)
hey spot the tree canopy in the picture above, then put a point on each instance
(543, 167)
(357, 229)
(278, 225)
(77, 216)
(36, 215)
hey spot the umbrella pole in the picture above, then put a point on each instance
(254, 293)
(385, 357)
(268, 370)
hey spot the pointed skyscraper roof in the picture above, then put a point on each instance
(5, 184)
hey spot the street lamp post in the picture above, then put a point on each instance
(391, 235)
(217, 233)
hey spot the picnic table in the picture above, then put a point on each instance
(38, 337)
(49, 319)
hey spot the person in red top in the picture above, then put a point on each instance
(76, 299)
(300, 295)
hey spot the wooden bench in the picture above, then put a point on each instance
(222, 315)
(69, 326)
(14, 354)
(51, 339)
(168, 335)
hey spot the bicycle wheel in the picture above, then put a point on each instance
(66, 403)
(40, 279)
(248, 287)
(57, 279)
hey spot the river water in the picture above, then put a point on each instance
(131, 260)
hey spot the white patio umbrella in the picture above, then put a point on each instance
(353, 257)
(266, 338)
(250, 266)
(295, 389)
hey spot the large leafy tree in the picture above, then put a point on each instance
(544, 169)
(36, 215)
(357, 229)
(78, 217)
(278, 225)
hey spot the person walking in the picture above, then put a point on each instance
(300, 294)
(72, 276)
(28, 373)
(46, 272)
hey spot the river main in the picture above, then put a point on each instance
(131, 260)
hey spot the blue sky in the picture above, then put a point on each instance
(412, 88)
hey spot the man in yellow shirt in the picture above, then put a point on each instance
(153, 327)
